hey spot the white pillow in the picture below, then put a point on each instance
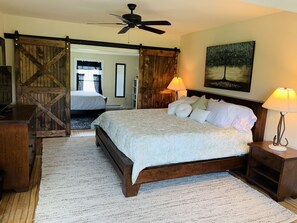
(219, 115)
(244, 118)
(183, 110)
(172, 107)
(228, 115)
(188, 100)
(183, 100)
(199, 115)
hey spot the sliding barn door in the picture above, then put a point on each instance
(156, 70)
(43, 79)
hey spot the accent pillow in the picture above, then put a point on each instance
(200, 103)
(188, 100)
(228, 115)
(199, 115)
(183, 100)
(172, 107)
(183, 110)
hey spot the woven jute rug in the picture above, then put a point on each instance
(79, 185)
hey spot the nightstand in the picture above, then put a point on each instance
(275, 172)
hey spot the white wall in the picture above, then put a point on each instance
(275, 63)
(108, 76)
(1, 25)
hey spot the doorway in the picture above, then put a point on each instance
(108, 57)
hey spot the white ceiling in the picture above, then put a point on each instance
(186, 16)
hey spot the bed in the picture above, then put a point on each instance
(124, 165)
(83, 102)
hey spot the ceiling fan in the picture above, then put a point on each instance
(132, 20)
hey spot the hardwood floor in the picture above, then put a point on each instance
(20, 207)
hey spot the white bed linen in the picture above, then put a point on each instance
(151, 137)
(87, 100)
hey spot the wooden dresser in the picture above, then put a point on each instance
(17, 146)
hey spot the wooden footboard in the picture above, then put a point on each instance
(123, 166)
(121, 163)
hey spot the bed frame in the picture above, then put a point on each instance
(93, 112)
(123, 165)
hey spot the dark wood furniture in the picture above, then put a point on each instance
(17, 146)
(275, 172)
(123, 165)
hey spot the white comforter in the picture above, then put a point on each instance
(151, 137)
(87, 100)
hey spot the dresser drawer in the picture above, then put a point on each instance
(266, 158)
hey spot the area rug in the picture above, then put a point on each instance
(79, 185)
(80, 122)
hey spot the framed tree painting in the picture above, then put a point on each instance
(230, 66)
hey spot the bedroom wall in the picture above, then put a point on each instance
(1, 25)
(275, 62)
(108, 75)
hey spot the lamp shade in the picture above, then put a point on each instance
(283, 100)
(177, 84)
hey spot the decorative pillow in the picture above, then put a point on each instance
(228, 115)
(183, 100)
(188, 100)
(172, 107)
(199, 115)
(183, 110)
(200, 103)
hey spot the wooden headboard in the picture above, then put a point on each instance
(259, 111)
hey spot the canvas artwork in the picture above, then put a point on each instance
(230, 66)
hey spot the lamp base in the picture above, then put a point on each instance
(277, 148)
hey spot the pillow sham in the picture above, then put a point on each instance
(183, 110)
(227, 115)
(200, 103)
(218, 114)
(199, 115)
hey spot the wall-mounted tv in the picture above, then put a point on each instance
(5, 87)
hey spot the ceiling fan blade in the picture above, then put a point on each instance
(124, 30)
(105, 23)
(156, 23)
(121, 18)
(150, 29)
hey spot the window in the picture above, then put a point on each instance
(89, 76)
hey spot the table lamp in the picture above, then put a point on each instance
(176, 84)
(283, 100)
